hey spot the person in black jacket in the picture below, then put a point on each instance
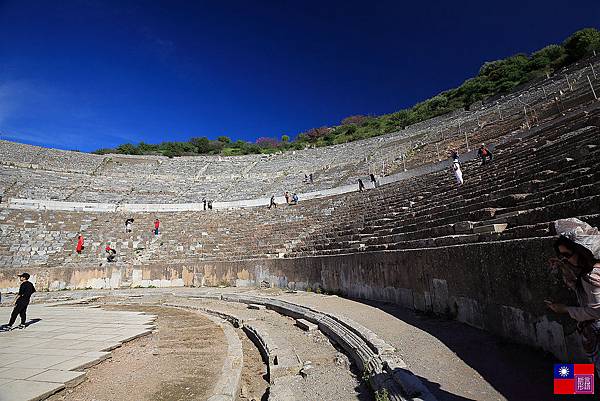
(22, 301)
(373, 180)
(361, 185)
(272, 202)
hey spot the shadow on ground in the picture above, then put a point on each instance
(517, 372)
(32, 321)
(439, 393)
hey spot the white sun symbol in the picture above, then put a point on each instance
(563, 371)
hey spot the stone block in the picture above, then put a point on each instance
(419, 301)
(517, 324)
(256, 306)
(440, 296)
(306, 325)
(490, 228)
(447, 229)
(551, 337)
(69, 378)
(411, 385)
(19, 373)
(26, 390)
(468, 311)
(463, 227)
(41, 361)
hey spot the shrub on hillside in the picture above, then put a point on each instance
(128, 149)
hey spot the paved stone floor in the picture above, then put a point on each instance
(57, 344)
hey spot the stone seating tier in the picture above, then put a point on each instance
(508, 191)
(547, 175)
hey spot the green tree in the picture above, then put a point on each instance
(285, 138)
(215, 147)
(354, 120)
(313, 134)
(128, 149)
(146, 148)
(549, 57)
(202, 144)
(251, 148)
(224, 139)
(582, 43)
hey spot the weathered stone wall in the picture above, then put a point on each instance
(498, 286)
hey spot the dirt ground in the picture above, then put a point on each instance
(182, 360)
(254, 382)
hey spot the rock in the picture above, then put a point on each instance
(244, 391)
(306, 369)
(341, 360)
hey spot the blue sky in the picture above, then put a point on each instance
(85, 74)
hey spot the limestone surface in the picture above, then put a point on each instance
(57, 344)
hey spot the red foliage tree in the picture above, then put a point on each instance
(315, 133)
(265, 142)
(354, 120)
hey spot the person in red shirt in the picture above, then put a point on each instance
(111, 253)
(484, 154)
(80, 246)
(156, 226)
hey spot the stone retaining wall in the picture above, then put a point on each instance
(498, 286)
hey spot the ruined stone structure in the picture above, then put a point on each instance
(476, 253)
(29, 172)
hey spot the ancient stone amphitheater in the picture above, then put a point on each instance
(475, 254)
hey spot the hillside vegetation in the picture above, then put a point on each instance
(494, 78)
